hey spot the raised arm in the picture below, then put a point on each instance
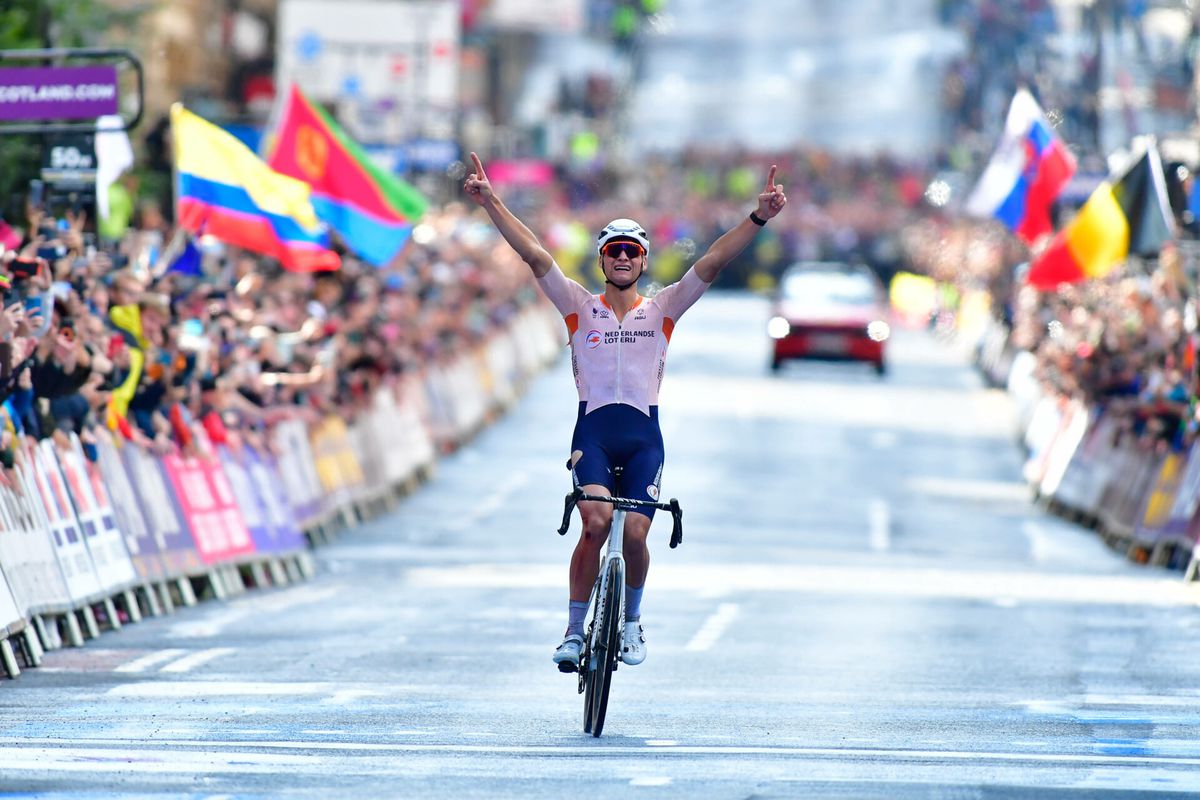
(733, 241)
(519, 237)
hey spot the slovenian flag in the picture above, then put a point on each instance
(372, 210)
(1130, 216)
(1028, 170)
(226, 191)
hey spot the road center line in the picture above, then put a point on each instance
(880, 517)
(713, 627)
(490, 504)
(11, 747)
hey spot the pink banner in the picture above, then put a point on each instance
(520, 172)
(210, 507)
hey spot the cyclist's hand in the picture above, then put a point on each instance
(477, 186)
(772, 200)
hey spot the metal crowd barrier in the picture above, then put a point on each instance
(87, 546)
(1085, 464)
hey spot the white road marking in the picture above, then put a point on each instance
(215, 623)
(347, 696)
(132, 760)
(194, 660)
(713, 627)
(176, 755)
(884, 440)
(150, 660)
(1045, 547)
(490, 504)
(651, 780)
(866, 581)
(156, 689)
(880, 516)
(1185, 700)
(957, 489)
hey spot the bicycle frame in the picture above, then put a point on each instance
(595, 673)
(614, 551)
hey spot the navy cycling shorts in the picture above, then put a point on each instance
(618, 435)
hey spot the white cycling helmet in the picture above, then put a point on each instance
(623, 230)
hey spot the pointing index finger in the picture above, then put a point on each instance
(771, 179)
(479, 173)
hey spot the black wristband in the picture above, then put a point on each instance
(757, 220)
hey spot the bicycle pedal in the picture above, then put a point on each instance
(567, 666)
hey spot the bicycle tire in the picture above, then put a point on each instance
(585, 683)
(605, 657)
(585, 659)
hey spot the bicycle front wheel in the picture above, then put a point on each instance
(603, 660)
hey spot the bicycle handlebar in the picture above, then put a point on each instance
(673, 506)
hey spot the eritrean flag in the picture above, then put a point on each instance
(1026, 174)
(226, 191)
(371, 209)
(1130, 216)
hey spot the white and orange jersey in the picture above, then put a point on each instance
(619, 361)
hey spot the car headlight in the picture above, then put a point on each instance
(778, 328)
(879, 330)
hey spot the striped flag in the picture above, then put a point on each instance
(1027, 172)
(226, 191)
(372, 210)
(1128, 216)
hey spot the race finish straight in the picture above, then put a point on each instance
(619, 359)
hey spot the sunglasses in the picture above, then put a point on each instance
(615, 249)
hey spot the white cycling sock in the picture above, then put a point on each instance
(575, 617)
(633, 603)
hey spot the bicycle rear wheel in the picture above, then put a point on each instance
(603, 661)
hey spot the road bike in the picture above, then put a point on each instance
(605, 633)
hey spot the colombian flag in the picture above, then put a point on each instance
(371, 209)
(226, 191)
(1128, 217)
(1026, 174)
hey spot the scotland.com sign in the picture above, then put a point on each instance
(52, 93)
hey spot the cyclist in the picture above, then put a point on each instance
(618, 350)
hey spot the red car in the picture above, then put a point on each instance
(829, 311)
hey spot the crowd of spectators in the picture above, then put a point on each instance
(155, 334)
(840, 207)
(119, 338)
(1126, 345)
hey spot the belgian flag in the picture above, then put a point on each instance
(1130, 216)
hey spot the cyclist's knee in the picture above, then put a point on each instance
(596, 519)
(637, 527)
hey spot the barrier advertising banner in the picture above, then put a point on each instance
(1156, 507)
(26, 552)
(264, 472)
(11, 618)
(157, 505)
(207, 502)
(267, 518)
(140, 541)
(94, 512)
(83, 584)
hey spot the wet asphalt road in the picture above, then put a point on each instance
(865, 605)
